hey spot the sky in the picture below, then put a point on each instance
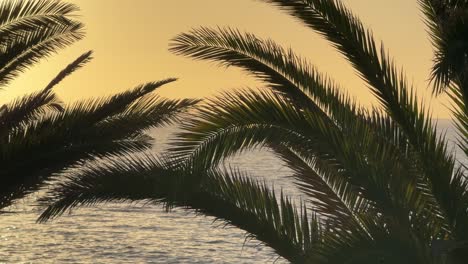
(130, 41)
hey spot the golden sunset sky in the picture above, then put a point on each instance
(130, 39)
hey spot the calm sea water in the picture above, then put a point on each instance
(129, 233)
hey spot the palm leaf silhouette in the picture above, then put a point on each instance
(39, 135)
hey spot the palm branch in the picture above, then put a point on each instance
(225, 193)
(39, 136)
(48, 142)
(32, 30)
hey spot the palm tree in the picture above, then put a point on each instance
(39, 136)
(380, 185)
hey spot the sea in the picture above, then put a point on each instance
(143, 233)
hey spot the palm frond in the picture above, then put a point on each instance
(349, 36)
(446, 21)
(22, 17)
(226, 194)
(27, 108)
(248, 119)
(461, 118)
(19, 11)
(282, 69)
(331, 196)
(31, 30)
(83, 131)
(72, 67)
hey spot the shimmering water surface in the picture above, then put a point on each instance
(129, 233)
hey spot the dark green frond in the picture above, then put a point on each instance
(282, 69)
(448, 28)
(248, 119)
(19, 11)
(80, 132)
(72, 67)
(27, 108)
(32, 30)
(330, 194)
(228, 195)
(461, 118)
(345, 31)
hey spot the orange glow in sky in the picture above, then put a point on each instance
(130, 39)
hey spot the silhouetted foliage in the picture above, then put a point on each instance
(380, 185)
(39, 135)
